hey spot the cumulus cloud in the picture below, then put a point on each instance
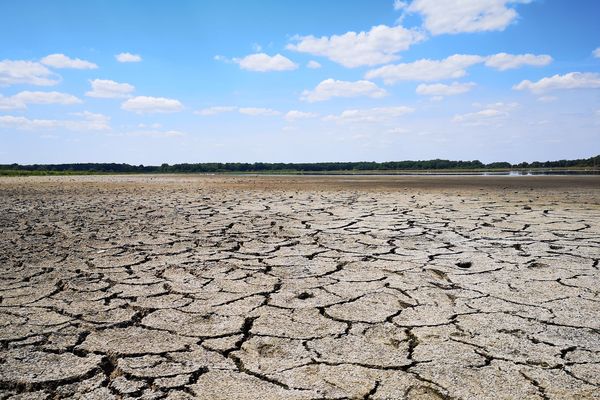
(22, 99)
(28, 97)
(221, 58)
(258, 112)
(294, 115)
(500, 105)
(400, 5)
(398, 131)
(330, 88)
(11, 121)
(9, 103)
(504, 61)
(572, 80)
(452, 67)
(596, 53)
(146, 104)
(369, 115)
(440, 89)
(107, 89)
(547, 99)
(88, 122)
(490, 114)
(426, 70)
(252, 111)
(155, 125)
(91, 121)
(215, 110)
(155, 133)
(456, 16)
(262, 62)
(380, 45)
(312, 64)
(128, 57)
(61, 61)
(483, 117)
(25, 72)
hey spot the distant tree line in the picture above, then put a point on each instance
(436, 164)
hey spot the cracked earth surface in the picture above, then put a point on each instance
(170, 287)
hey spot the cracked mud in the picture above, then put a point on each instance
(166, 287)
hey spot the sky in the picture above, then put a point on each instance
(152, 82)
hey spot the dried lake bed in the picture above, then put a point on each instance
(267, 287)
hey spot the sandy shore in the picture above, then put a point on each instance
(270, 287)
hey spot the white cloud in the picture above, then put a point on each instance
(9, 103)
(28, 97)
(294, 115)
(426, 70)
(455, 16)
(596, 53)
(155, 125)
(20, 100)
(157, 133)
(498, 105)
(128, 57)
(483, 117)
(252, 111)
(572, 80)
(397, 131)
(225, 60)
(332, 88)
(91, 121)
(257, 111)
(440, 89)
(378, 46)
(547, 99)
(369, 115)
(88, 122)
(504, 61)
(490, 114)
(262, 62)
(452, 67)
(146, 104)
(215, 110)
(312, 64)
(107, 89)
(400, 5)
(25, 72)
(62, 61)
(10, 121)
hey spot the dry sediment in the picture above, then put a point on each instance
(211, 287)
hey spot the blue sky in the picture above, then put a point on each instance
(280, 81)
